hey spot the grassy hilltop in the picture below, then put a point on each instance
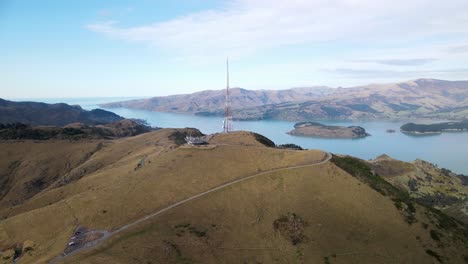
(333, 212)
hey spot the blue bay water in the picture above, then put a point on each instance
(448, 150)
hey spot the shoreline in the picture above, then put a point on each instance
(434, 132)
(323, 137)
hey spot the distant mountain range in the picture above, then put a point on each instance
(42, 114)
(212, 101)
(422, 98)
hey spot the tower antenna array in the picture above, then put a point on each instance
(227, 122)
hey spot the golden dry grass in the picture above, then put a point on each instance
(241, 138)
(127, 179)
(23, 162)
(348, 222)
(119, 192)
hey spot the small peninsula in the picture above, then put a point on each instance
(437, 128)
(312, 129)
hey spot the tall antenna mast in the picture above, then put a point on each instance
(227, 74)
(227, 122)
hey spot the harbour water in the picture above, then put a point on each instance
(447, 150)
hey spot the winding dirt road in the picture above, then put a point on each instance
(135, 223)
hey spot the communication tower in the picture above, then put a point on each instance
(227, 122)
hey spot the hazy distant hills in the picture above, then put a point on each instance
(213, 101)
(428, 98)
(34, 113)
(423, 98)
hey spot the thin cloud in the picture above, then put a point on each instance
(401, 62)
(104, 12)
(458, 49)
(391, 36)
(105, 27)
(246, 26)
(366, 73)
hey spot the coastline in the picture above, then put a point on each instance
(433, 132)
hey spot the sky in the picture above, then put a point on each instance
(88, 48)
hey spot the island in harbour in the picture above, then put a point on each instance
(313, 129)
(437, 128)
